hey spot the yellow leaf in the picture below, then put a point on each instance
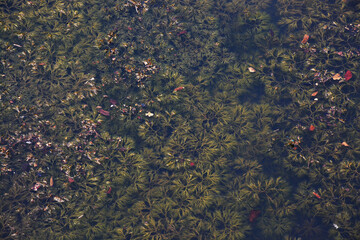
(336, 76)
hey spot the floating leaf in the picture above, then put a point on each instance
(316, 195)
(51, 181)
(348, 75)
(251, 69)
(58, 199)
(336, 77)
(178, 89)
(305, 39)
(149, 114)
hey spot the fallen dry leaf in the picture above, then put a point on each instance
(345, 144)
(348, 75)
(305, 39)
(51, 181)
(337, 76)
(251, 69)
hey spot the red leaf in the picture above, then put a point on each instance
(312, 128)
(348, 75)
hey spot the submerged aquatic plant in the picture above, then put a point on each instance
(249, 32)
(137, 119)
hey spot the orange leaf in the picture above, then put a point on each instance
(305, 39)
(345, 144)
(316, 195)
(336, 77)
(51, 181)
(178, 89)
(314, 94)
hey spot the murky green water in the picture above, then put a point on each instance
(179, 119)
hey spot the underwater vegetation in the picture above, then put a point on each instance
(179, 119)
(250, 31)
